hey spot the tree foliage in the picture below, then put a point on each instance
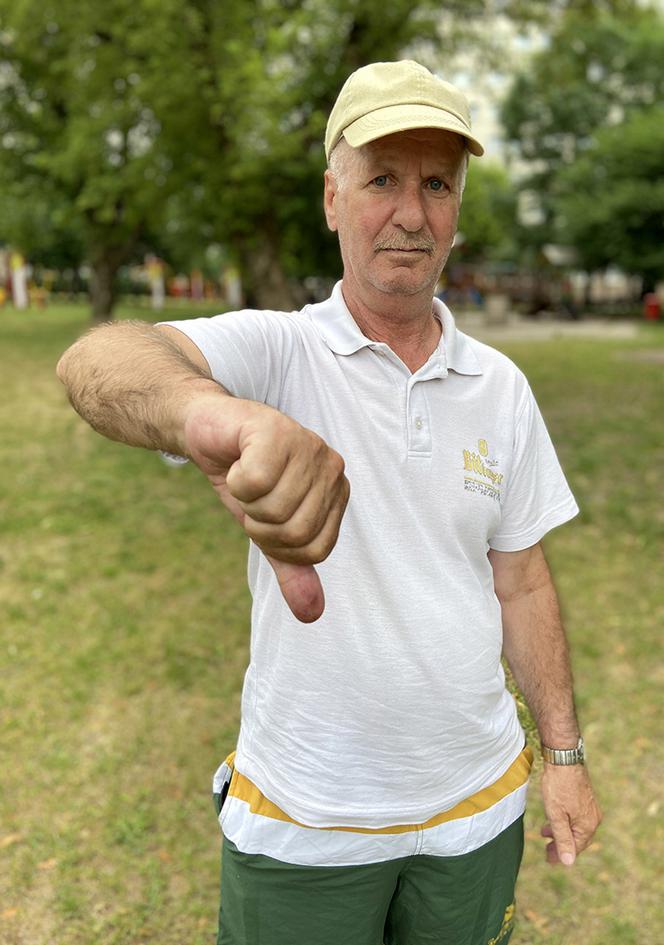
(173, 123)
(599, 77)
(80, 134)
(281, 74)
(611, 199)
(599, 66)
(488, 213)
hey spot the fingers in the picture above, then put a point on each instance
(281, 481)
(293, 498)
(302, 494)
(573, 812)
(299, 584)
(562, 849)
(278, 468)
(566, 844)
(309, 535)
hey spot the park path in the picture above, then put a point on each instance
(517, 328)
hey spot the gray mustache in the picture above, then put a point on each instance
(425, 244)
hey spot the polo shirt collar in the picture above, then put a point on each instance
(455, 345)
(341, 334)
(336, 325)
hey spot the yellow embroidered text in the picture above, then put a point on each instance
(472, 462)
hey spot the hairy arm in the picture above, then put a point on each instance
(534, 642)
(152, 387)
(535, 647)
(133, 383)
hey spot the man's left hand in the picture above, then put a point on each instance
(573, 814)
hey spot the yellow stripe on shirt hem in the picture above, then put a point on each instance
(515, 776)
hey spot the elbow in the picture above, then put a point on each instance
(79, 356)
(68, 370)
(61, 368)
(65, 369)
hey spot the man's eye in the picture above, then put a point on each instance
(437, 185)
(380, 181)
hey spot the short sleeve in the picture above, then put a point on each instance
(537, 497)
(248, 351)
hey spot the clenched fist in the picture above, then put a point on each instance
(282, 482)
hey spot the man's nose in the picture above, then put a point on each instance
(409, 209)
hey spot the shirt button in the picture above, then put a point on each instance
(419, 423)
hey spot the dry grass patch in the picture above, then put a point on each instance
(125, 636)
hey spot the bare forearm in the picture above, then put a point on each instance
(282, 482)
(131, 383)
(536, 649)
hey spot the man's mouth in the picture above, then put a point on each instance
(404, 249)
(387, 246)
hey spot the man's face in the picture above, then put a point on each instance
(395, 203)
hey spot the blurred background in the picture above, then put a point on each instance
(164, 158)
(175, 149)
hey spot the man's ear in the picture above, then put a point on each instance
(329, 197)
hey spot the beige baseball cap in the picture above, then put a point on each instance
(385, 97)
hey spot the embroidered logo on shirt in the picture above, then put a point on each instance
(479, 476)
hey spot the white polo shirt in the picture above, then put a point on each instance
(392, 706)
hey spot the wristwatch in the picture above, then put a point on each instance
(565, 756)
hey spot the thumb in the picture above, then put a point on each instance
(301, 589)
(563, 840)
(299, 583)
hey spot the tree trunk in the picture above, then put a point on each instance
(109, 247)
(265, 283)
(102, 288)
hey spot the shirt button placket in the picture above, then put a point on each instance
(419, 433)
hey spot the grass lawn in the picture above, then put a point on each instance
(124, 638)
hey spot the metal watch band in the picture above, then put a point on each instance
(565, 756)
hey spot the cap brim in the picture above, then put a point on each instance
(387, 121)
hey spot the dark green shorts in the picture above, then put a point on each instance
(416, 900)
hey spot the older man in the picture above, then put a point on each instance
(378, 788)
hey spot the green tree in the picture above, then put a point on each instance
(276, 79)
(611, 200)
(43, 224)
(488, 213)
(602, 64)
(80, 135)
(173, 123)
